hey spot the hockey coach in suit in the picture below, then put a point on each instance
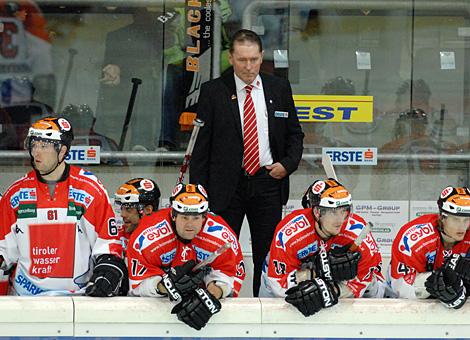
(250, 144)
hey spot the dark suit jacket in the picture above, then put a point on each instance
(217, 158)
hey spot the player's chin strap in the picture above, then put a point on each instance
(141, 208)
(324, 234)
(444, 236)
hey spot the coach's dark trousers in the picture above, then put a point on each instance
(259, 198)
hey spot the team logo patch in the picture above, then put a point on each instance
(24, 286)
(176, 189)
(318, 187)
(91, 176)
(289, 230)
(413, 235)
(168, 257)
(201, 254)
(80, 196)
(52, 250)
(147, 185)
(446, 192)
(431, 257)
(222, 232)
(186, 252)
(202, 190)
(151, 235)
(354, 226)
(23, 195)
(312, 248)
(27, 211)
(64, 124)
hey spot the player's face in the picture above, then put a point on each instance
(246, 60)
(130, 218)
(44, 155)
(188, 226)
(456, 226)
(331, 219)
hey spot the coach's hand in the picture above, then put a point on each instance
(276, 170)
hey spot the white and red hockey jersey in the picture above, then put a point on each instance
(296, 239)
(154, 248)
(416, 251)
(52, 239)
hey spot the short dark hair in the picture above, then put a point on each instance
(245, 35)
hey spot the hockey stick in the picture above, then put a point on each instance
(330, 173)
(72, 53)
(198, 123)
(361, 237)
(130, 107)
(212, 257)
(328, 166)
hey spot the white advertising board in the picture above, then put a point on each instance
(387, 218)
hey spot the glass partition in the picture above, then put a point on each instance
(125, 71)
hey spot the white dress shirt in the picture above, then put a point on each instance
(257, 94)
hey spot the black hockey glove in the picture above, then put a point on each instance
(311, 296)
(321, 266)
(461, 266)
(343, 264)
(124, 289)
(107, 276)
(181, 281)
(445, 285)
(197, 309)
(336, 265)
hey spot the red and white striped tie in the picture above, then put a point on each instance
(250, 135)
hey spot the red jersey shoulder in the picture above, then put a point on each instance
(86, 180)
(466, 239)
(462, 248)
(353, 226)
(293, 226)
(216, 228)
(153, 228)
(415, 233)
(22, 190)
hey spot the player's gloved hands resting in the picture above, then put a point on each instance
(461, 266)
(197, 309)
(336, 265)
(181, 281)
(107, 276)
(311, 296)
(445, 285)
(343, 264)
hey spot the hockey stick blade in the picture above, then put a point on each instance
(328, 166)
(361, 237)
(212, 257)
